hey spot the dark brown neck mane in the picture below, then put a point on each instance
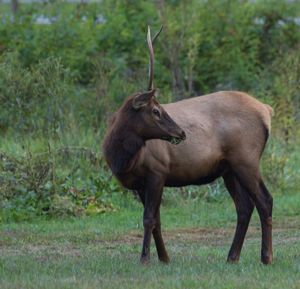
(121, 146)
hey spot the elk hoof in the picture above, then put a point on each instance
(164, 259)
(233, 259)
(266, 259)
(145, 260)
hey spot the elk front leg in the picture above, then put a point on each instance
(152, 200)
(159, 242)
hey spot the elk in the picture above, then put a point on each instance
(192, 142)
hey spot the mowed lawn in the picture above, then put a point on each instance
(103, 251)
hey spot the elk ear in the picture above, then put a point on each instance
(143, 99)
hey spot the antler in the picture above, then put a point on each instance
(151, 55)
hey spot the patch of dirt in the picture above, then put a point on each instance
(201, 235)
(40, 251)
(208, 236)
(284, 232)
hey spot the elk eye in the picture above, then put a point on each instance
(156, 112)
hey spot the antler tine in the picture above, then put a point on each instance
(157, 34)
(151, 55)
(151, 59)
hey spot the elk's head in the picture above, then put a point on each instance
(151, 120)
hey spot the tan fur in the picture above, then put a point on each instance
(218, 126)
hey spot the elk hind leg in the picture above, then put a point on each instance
(244, 208)
(250, 179)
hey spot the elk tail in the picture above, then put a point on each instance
(270, 109)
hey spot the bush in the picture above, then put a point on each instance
(33, 99)
(67, 181)
(205, 46)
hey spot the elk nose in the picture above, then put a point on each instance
(183, 135)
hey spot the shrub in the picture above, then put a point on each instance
(60, 182)
(33, 99)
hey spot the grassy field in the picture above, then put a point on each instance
(103, 251)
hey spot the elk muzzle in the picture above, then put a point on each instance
(175, 139)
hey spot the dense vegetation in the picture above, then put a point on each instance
(60, 81)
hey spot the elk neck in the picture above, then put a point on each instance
(122, 147)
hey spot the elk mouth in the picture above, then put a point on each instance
(174, 140)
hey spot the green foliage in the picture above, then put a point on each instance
(68, 181)
(286, 96)
(276, 168)
(205, 46)
(100, 48)
(32, 98)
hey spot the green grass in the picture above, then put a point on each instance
(103, 251)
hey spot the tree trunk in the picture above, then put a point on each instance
(14, 6)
